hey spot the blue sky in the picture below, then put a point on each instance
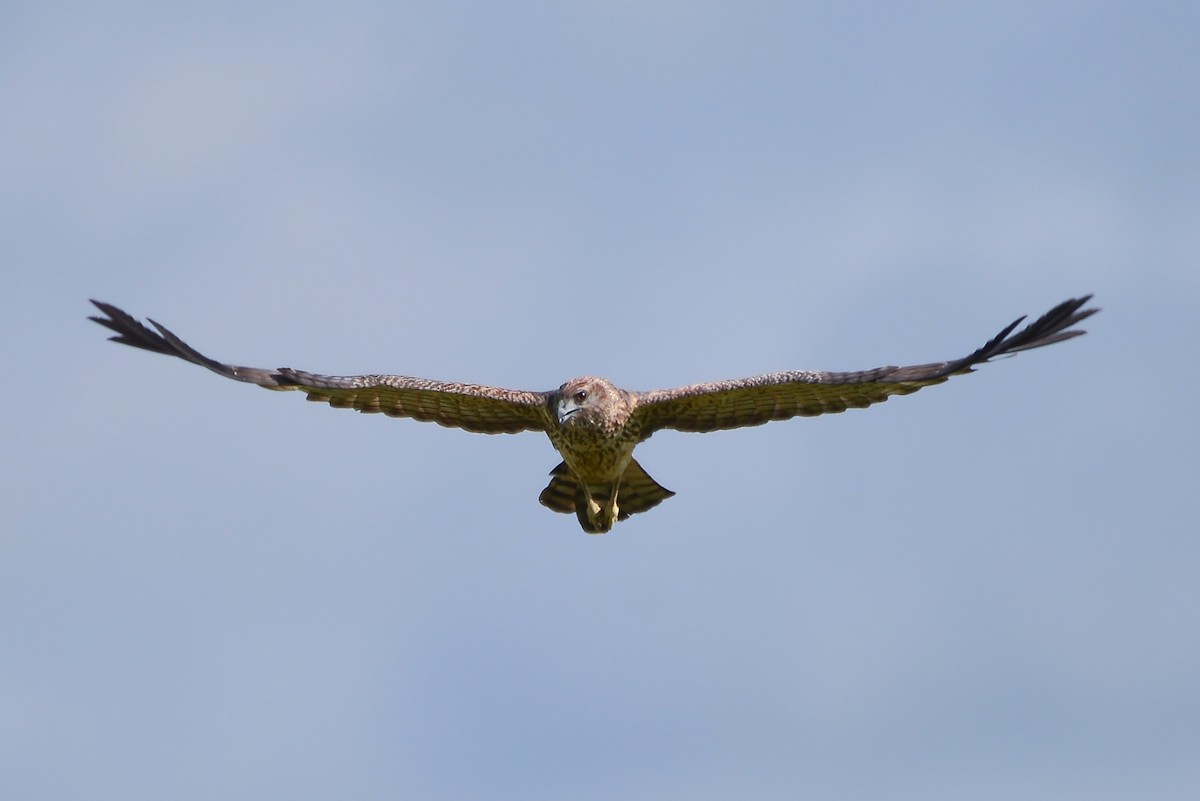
(987, 590)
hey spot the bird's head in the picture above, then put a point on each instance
(590, 401)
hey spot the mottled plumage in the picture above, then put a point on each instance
(595, 425)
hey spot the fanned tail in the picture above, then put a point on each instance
(637, 492)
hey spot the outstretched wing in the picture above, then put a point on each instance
(488, 410)
(779, 396)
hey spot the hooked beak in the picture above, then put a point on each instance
(565, 412)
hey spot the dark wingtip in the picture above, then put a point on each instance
(1051, 327)
(128, 330)
(1056, 325)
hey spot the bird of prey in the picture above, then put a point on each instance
(595, 425)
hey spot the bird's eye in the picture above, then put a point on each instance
(581, 396)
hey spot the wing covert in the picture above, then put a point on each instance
(482, 409)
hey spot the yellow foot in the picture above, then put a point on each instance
(603, 519)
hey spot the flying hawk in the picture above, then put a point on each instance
(595, 425)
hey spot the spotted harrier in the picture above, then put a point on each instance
(595, 425)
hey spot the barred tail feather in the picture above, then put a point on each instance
(559, 494)
(638, 492)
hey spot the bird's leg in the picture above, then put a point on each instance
(602, 517)
(593, 507)
(606, 516)
(613, 509)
